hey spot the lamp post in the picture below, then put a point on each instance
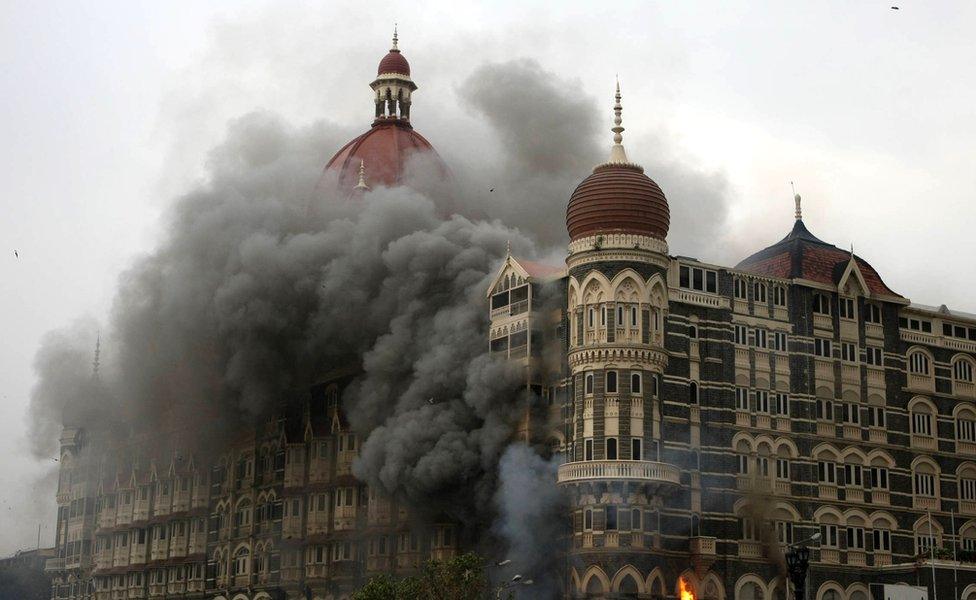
(515, 581)
(797, 563)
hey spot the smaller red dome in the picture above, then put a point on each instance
(394, 62)
(618, 198)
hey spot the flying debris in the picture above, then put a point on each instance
(430, 400)
(492, 190)
(16, 254)
(894, 8)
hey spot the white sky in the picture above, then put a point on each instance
(107, 110)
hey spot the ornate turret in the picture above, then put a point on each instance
(393, 85)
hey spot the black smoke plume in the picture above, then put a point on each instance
(261, 284)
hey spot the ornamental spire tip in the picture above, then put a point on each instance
(617, 152)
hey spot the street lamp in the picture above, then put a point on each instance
(516, 581)
(797, 563)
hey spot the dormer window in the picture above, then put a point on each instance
(915, 324)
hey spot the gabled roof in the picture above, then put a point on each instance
(528, 270)
(801, 255)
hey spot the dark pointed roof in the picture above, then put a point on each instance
(802, 255)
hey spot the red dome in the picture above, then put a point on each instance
(394, 62)
(385, 150)
(618, 198)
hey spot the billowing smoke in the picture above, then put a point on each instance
(260, 286)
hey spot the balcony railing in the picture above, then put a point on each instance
(53, 564)
(638, 470)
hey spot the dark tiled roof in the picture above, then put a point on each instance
(801, 255)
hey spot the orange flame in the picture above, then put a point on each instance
(686, 593)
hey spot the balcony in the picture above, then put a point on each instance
(827, 491)
(824, 370)
(878, 435)
(611, 539)
(964, 389)
(635, 470)
(925, 502)
(826, 428)
(881, 559)
(823, 321)
(743, 418)
(874, 330)
(344, 518)
(923, 442)
(742, 358)
(967, 507)
(876, 378)
(762, 360)
(856, 558)
(53, 564)
(850, 374)
(702, 550)
(854, 494)
(921, 383)
(881, 497)
(197, 544)
(830, 556)
(750, 549)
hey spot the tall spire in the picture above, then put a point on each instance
(362, 176)
(394, 39)
(617, 152)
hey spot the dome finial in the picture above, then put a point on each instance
(362, 177)
(394, 38)
(796, 199)
(617, 153)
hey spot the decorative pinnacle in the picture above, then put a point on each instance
(508, 248)
(796, 198)
(362, 176)
(617, 153)
(394, 37)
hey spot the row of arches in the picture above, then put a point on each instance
(920, 361)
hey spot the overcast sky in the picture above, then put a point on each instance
(107, 110)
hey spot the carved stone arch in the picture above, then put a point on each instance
(742, 380)
(854, 455)
(240, 597)
(787, 509)
(574, 580)
(595, 288)
(691, 580)
(595, 581)
(856, 516)
(880, 458)
(881, 519)
(742, 441)
(765, 445)
(712, 587)
(825, 450)
(786, 443)
(778, 589)
(969, 592)
(830, 590)
(750, 587)
(921, 525)
(926, 464)
(654, 584)
(964, 410)
(631, 573)
(657, 291)
(828, 514)
(262, 596)
(966, 470)
(876, 400)
(825, 392)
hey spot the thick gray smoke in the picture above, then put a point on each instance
(261, 286)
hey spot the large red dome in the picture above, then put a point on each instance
(384, 151)
(618, 198)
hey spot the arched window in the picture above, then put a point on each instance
(635, 383)
(922, 419)
(918, 363)
(966, 424)
(635, 519)
(759, 293)
(692, 332)
(241, 561)
(611, 448)
(655, 385)
(693, 393)
(635, 449)
(925, 478)
(749, 591)
(739, 289)
(611, 382)
(962, 370)
(588, 520)
(588, 386)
